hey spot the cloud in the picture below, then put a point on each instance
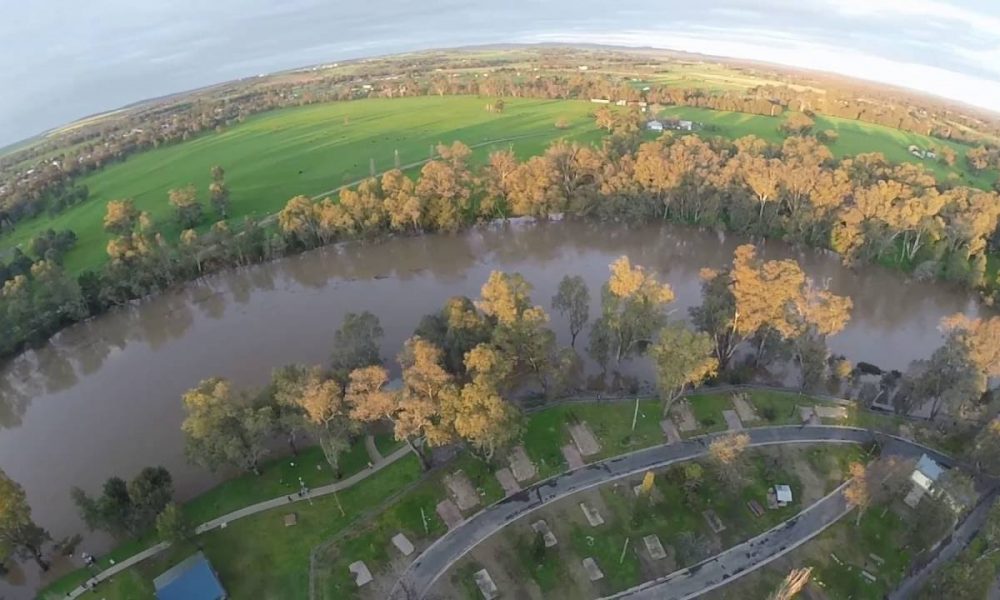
(981, 20)
(785, 48)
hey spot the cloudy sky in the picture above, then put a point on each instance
(64, 59)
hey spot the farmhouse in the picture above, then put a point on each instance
(654, 125)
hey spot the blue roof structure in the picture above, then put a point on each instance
(190, 579)
(929, 468)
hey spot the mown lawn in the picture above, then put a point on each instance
(308, 150)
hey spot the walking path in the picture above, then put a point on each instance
(420, 576)
(373, 454)
(246, 511)
(746, 557)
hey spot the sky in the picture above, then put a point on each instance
(65, 59)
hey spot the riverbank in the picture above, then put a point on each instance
(241, 550)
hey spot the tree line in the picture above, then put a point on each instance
(29, 188)
(864, 208)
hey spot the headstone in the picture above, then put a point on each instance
(403, 544)
(654, 547)
(449, 513)
(485, 584)
(755, 508)
(507, 481)
(361, 573)
(547, 536)
(291, 519)
(461, 489)
(684, 417)
(871, 578)
(670, 431)
(593, 571)
(520, 465)
(830, 412)
(584, 439)
(593, 515)
(878, 559)
(733, 422)
(808, 415)
(714, 521)
(744, 409)
(573, 458)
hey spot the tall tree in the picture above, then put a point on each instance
(173, 526)
(322, 401)
(371, 402)
(726, 453)
(19, 535)
(120, 217)
(479, 414)
(222, 426)
(573, 302)
(681, 358)
(186, 206)
(427, 389)
(633, 309)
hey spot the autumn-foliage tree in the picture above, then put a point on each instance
(427, 389)
(120, 217)
(187, 209)
(726, 453)
(633, 309)
(479, 414)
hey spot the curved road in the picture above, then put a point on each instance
(425, 570)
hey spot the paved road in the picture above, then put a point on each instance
(424, 571)
(746, 557)
(246, 511)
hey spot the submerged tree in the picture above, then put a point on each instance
(573, 302)
(355, 344)
(633, 309)
(222, 426)
(681, 358)
(19, 535)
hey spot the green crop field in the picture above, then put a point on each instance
(854, 137)
(310, 150)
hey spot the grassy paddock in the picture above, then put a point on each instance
(276, 155)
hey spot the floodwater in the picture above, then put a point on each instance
(103, 398)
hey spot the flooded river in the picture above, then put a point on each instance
(103, 398)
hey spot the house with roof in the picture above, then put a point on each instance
(924, 477)
(654, 125)
(783, 494)
(191, 579)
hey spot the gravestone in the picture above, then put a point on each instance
(291, 519)
(714, 521)
(485, 584)
(684, 417)
(462, 490)
(547, 536)
(670, 431)
(403, 544)
(520, 465)
(808, 415)
(362, 575)
(507, 481)
(654, 547)
(744, 409)
(830, 412)
(733, 422)
(584, 439)
(594, 572)
(449, 513)
(593, 515)
(573, 458)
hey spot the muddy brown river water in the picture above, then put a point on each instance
(103, 398)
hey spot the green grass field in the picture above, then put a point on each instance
(310, 150)
(854, 137)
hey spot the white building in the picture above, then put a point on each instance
(783, 494)
(654, 125)
(924, 476)
(685, 125)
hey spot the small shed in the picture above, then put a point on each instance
(191, 579)
(783, 494)
(926, 473)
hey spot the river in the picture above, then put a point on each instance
(103, 397)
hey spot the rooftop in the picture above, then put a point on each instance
(190, 579)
